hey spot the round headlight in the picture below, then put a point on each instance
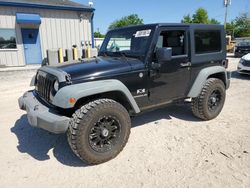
(56, 86)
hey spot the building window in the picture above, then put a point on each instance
(207, 41)
(7, 39)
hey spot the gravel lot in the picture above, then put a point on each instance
(167, 147)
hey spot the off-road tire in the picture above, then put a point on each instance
(199, 104)
(82, 122)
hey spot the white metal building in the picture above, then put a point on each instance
(29, 27)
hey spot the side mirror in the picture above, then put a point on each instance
(164, 54)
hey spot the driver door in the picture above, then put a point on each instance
(169, 80)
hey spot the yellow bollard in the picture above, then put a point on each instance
(75, 55)
(88, 52)
(60, 53)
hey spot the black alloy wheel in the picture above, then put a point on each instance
(105, 134)
(214, 100)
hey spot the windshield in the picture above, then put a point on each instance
(132, 41)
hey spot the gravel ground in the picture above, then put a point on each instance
(166, 148)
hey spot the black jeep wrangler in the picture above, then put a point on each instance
(138, 68)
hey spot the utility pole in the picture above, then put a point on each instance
(226, 4)
(91, 3)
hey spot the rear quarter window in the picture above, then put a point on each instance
(207, 41)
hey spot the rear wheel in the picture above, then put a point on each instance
(99, 131)
(210, 102)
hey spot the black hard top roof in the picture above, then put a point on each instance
(199, 26)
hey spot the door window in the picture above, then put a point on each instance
(175, 39)
(31, 36)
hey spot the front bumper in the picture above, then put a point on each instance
(41, 116)
(243, 69)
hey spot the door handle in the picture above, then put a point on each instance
(188, 64)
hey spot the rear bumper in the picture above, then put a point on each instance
(41, 116)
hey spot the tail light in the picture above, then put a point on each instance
(225, 63)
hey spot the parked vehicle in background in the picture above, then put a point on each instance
(242, 49)
(139, 68)
(244, 65)
(242, 46)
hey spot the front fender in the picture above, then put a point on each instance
(79, 91)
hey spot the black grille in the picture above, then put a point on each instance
(246, 63)
(245, 71)
(44, 85)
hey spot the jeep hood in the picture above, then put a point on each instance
(96, 68)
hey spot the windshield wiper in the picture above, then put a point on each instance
(123, 54)
(103, 53)
(135, 56)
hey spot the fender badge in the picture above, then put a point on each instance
(141, 91)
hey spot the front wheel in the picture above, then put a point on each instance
(210, 102)
(99, 131)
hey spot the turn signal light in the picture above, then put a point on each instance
(72, 100)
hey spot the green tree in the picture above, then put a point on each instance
(214, 21)
(242, 26)
(186, 19)
(97, 34)
(230, 28)
(132, 19)
(200, 16)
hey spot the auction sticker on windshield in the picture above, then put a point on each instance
(143, 33)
